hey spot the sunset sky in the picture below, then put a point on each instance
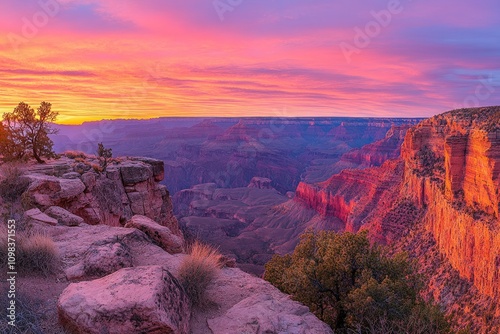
(102, 59)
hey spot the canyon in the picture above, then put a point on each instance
(231, 151)
(251, 187)
(436, 199)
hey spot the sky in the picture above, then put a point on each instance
(107, 59)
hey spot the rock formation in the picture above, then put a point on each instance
(123, 267)
(132, 300)
(446, 188)
(129, 187)
(452, 168)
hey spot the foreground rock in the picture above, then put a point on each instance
(161, 235)
(248, 304)
(131, 300)
(263, 313)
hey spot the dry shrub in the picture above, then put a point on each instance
(28, 315)
(12, 185)
(75, 154)
(198, 270)
(36, 253)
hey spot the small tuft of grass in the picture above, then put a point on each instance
(13, 185)
(36, 253)
(198, 269)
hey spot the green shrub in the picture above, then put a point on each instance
(354, 286)
(197, 270)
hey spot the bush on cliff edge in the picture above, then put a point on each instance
(353, 286)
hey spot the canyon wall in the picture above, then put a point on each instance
(452, 169)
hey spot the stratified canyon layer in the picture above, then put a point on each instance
(439, 202)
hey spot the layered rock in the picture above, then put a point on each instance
(452, 168)
(377, 153)
(353, 195)
(128, 187)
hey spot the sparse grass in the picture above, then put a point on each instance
(198, 270)
(36, 253)
(28, 319)
(12, 185)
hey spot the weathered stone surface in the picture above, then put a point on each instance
(131, 300)
(38, 217)
(71, 175)
(110, 198)
(48, 190)
(89, 180)
(63, 216)
(133, 173)
(158, 167)
(265, 313)
(161, 235)
(461, 196)
(101, 259)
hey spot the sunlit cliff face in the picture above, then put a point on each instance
(129, 59)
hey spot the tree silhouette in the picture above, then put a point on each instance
(26, 130)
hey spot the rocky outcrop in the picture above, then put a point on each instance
(260, 183)
(128, 187)
(447, 183)
(264, 313)
(452, 168)
(161, 235)
(101, 258)
(353, 195)
(375, 154)
(35, 216)
(64, 217)
(131, 300)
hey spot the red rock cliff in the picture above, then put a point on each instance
(452, 168)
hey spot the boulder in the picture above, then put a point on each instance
(161, 235)
(38, 217)
(131, 300)
(265, 313)
(47, 190)
(158, 167)
(101, 259)
(133, 173)
(63, 216)
(89, 180)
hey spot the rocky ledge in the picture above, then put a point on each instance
(120, 248)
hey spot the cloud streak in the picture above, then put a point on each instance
(110, 58)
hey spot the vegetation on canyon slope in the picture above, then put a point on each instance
(354, 286)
